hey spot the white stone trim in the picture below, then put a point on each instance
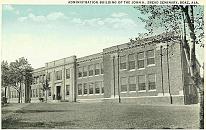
(142, 91)
(152, 90)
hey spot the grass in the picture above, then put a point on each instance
(102, 115)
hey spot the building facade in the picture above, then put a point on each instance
(145, 71)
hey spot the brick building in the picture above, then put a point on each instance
(149, 70)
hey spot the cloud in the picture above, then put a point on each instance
(94, 21)
(43, 18)
(118, 15)
(17, 12)
(77, 21)
(117, 21)
(110, 22)
(11, 9)
(22, 19)
(8, 7)
(121, 23)
(56, 15)
(35, 18)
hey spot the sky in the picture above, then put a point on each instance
(43, 33)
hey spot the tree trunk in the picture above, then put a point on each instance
(46, 95)
(19, 96)
(20, 93)
(5, 89)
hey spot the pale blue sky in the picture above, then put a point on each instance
(43, 33)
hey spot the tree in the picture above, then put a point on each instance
(45, 85)
(4, 75)
(169, 18)
(20, 73)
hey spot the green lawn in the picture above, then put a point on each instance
(100, 115)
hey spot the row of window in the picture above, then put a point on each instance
(39, 93)
(138, 83)
(58, 76)
(38, 79)
(14, 94)
(150, 60)
(91, 88)
(90, 70)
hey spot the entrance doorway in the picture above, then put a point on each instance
(58, 92)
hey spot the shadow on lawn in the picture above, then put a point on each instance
(11, 123)
(38, 111)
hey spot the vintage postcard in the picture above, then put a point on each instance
(102, 64)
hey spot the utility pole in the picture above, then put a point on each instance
(47, 86)
(118, 73)
(114, 73)
(161, 69)
(182, 44)
(168, 73)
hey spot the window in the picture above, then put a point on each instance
(102, 70)
(85, 69)
(40, 93)
(97, 87)
(150, 57)
(37, 95)
(37, 79)
(131, 59)
(80, 72)
(43, 91)
(31, 94)
(85, 88)
(141, 82)
(97, 69)
(40, 79)
(49, 91)
(132, 83)
(67, 89)
(91, 68)
(34, 80)
(79, 89)
(13, 95)
(140, 60)
(16, 94)
(59, 75)
(123, 84)
(102, 86)
(122, 62)
(67, 73)
(34, 92)
(44, 77)
(151, 81)
(91, 88)
(48, 76)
